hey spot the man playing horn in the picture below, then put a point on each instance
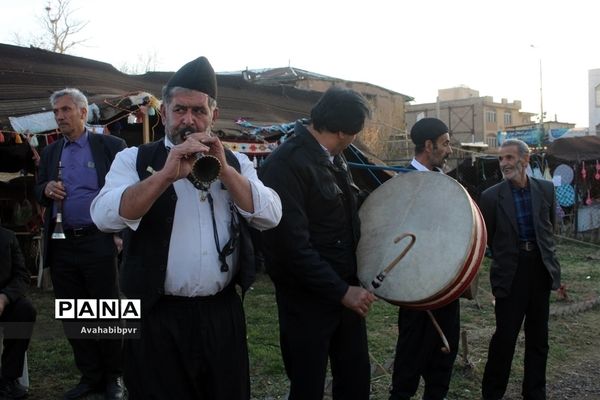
(188, 248)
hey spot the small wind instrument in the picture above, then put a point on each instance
(206, 168)
(59, 233)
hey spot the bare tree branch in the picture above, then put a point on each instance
(145, 63)
(59, 29)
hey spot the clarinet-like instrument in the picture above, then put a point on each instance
(58, 232)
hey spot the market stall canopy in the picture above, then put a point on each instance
(585, 148)
(28, 76)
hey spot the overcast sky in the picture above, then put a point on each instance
(412, 47)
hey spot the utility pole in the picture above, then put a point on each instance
(541, 86)
(541, 95)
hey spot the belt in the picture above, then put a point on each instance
(169, 298)
(81, 232)
(528, 246)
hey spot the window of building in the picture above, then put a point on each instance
(491, 141)
(507, 119)
(490, 116)
(598, 96)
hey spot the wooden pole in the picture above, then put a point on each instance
(146, 127)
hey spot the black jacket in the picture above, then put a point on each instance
(313, 247)
(104, 149)
(498, 209)
(14, 277)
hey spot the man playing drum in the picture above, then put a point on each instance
(311, 254)
(418, 350)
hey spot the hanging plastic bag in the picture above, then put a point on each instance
(547, 175)
(33, 141)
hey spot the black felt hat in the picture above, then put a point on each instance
(196, 75)
(427, 129)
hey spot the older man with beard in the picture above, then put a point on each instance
(188, 246)
(519, 216)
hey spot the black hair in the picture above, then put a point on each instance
(340, 110)
(419, 148)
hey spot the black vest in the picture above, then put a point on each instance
(147, 249)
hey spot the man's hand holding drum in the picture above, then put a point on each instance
(358, 300)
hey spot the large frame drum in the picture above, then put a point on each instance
(449, 246)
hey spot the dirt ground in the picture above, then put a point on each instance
(581, 381)
(578, 377)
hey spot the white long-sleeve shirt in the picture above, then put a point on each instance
(193, 267)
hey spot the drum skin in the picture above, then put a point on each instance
(448, 250)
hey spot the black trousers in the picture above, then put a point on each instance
(310, 333)
(418, 352)
(17, 320)
(83, 268)
(191, 348)
(528, 299)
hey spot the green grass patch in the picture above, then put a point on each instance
(52, 370)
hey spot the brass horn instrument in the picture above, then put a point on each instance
(58, 232)
(206, 168)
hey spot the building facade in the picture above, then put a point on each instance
(594, 101)
(383, 133)
(469, 116)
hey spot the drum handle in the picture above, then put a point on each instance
(446, 347)
(381, 276)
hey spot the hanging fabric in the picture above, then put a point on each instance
(537, 171)
(565, 173)
(560, 213)
(483, 170)
(547, 175)
(565, 195)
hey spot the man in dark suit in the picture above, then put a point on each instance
(311, 254)
(519, 216)
(84, 265)
(418, 350)
(14, 307)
